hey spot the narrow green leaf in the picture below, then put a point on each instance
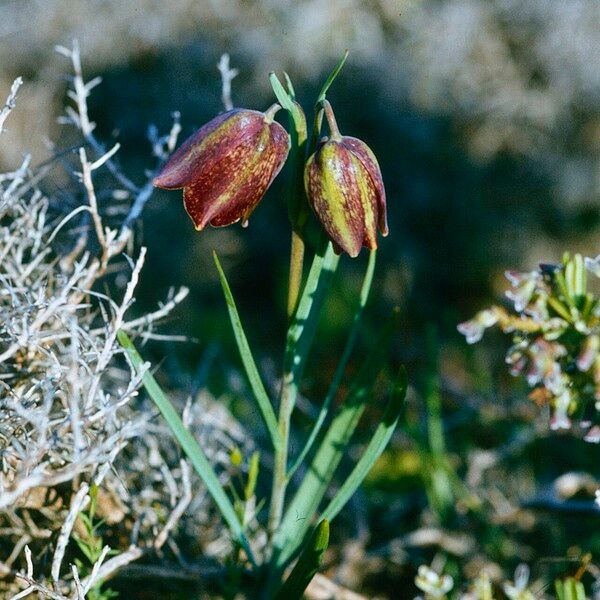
(304, 324)
(252, 475)
(297, 205)
(559, 278)
(306, 501)
(316, 131)
(189, 445)
(376, 446)
(307, 565)
(262, 398)
(559, 308)
(287, 101)
(280, 93)
(339, 372)
(569, 589)
(290, 87)
(331, 78)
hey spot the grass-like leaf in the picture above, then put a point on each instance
(306, 501)
(296, 200)
(304, 324)
(286, 99)
(331, 78)
(302, 330)
(189, 445)
(258, 388)
(280, 92)
(307, 565)
(373, 451)
(569, 589)
(339, 372)
(290, 87)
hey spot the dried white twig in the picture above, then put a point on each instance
(94, 578)
(79, 591)
(113, 565)
(78, 503)
(182, 505)
(10, 101)
(66, 396)
(227, 76)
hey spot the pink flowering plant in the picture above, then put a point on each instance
(555, 331)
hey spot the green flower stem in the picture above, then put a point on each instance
(334, 131)
(341, 368)
(281, 456)
(296, 264)
(299, 338)
(316, 131)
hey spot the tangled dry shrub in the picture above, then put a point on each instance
(73, 432)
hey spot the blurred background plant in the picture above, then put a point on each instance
(555, 339)
(486, 122)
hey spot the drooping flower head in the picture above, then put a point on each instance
(226, 167)
(345, 189)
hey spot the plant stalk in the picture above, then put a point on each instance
(296, 264)
(286, 401)
(280, 479)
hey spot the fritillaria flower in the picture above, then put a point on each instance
(226, 167)
(345, 189)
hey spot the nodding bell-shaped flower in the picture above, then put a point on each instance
(345, 189)
(226, 167)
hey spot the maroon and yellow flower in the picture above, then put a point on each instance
(345, 189)
(226, 167)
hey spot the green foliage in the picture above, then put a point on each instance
(91, 544)
(260, 394)
(341, 368)
(315, 483)
(307, 565)
(569, 589)
(189, 445)
(379, 440)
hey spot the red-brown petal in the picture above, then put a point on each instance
(229, 188)
(208, 145)
(368, 159)
(258, 180)
(335, 195)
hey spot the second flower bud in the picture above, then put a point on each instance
(345, 189)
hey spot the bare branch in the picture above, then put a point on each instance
(227, 76)
(10, 101)
(78, 503)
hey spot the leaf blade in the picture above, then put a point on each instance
(188, 444)
(308, 564)
(306, 501)
(339, 372)
(258, 388)
(332, 77)
(376, 446)
(302, 330)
